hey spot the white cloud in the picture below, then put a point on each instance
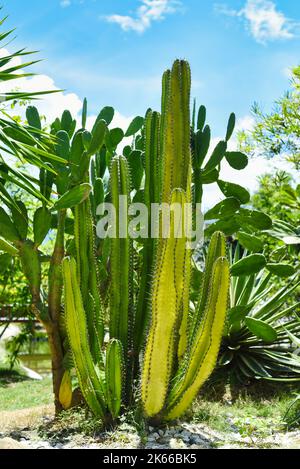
(65, 3)
(148, 12)
(53, 105)
(264, 21)
(249, 177)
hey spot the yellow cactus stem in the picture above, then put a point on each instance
(65, 391)
(203, 356)
(166, 311)
(176, 128)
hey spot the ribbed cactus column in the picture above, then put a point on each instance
(176, 150)
(88, 275)
(206, 337)
(91, 384)
(166, 312)
(121, 302)
(217, 248)
(152, 194)
(176, 157)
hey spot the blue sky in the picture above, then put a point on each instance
(115, 51)
(232, 65)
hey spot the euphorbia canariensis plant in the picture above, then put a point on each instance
(175, 350)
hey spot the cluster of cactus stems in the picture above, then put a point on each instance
(152, 333)
(188, 343)
(144, 329)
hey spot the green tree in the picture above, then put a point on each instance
(277, 133)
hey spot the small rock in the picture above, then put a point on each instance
(176, 443)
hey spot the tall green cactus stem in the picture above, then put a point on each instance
(217, 248)
(204, 352)
(176, 156)
(176, 129)
(152, 196)
(88, 275)
(166, 312)
(121, 308)
(91, 383)
(114, 370)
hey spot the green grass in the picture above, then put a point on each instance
(253, 411)
(18, 392)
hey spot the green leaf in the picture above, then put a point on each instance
(46, 179)
(5, 262)
(226, 358)
(281, 270)
(63, 180)
(250, 242)
(8, 248)
(230, 127)
(201, 118)
(230, 189)
(238, 313)
(211, 177)
(41, 224)
(20, 219)
(236, 159)
(254, 219)
(135, 126)
(99, 192)
(74, 196)
(248, 265)
(62, 147)
(86, 139)
(113, 138)
(228, 226)
(261, 329)
(107, 114)
(33, 118)
(216, 157)
(84, 114)
(223, 209)
(8, 230)
(295, 340)
(202, 143)
(77, 149)
(67, 122)
(4, 170)
(98, 135)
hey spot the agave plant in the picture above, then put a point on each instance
(260, 322)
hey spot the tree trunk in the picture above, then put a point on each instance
(54, 310)
(57, 356)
